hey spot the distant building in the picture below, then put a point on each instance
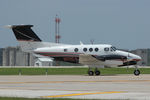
(13, 56)
(144, 54)
(43, 62)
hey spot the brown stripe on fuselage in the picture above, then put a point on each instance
(58, 54)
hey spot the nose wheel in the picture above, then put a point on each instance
(136, 71)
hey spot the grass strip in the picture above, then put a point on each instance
(68, 71)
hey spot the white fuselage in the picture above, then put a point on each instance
(100, 54)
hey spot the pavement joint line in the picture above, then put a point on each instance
(74, 81)
(42, 89)
(79, 94)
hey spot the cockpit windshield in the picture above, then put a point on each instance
(113, 48)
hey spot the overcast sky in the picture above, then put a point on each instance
(122, 23)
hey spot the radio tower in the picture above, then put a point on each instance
(57, 22)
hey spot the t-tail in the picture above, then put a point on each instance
(27, 39)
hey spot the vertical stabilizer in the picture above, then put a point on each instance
(24, 33)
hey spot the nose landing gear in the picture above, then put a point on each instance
(136, 71)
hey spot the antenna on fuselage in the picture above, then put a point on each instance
(92, 41)
(81, 43)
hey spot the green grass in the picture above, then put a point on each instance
(68, 71)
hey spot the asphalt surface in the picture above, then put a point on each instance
(76, 86)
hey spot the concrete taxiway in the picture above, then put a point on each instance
(74, 86)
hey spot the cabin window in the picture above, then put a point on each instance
(65, 50)
(91, 49)
(106, 49)
(76, 50)
(84, 49)
(96, 49)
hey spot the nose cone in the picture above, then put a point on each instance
(129, 56)
(135, 57)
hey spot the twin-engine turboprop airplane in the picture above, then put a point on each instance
(92, 55)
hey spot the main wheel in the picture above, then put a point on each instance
(97, 72)
(136, 72)
(91, 73)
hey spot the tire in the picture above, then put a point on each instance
(91, 73)
(97, 73)
(137, 72)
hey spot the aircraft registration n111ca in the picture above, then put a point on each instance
(94, 56)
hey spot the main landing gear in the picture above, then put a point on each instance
(96, 72)
(136, 71)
